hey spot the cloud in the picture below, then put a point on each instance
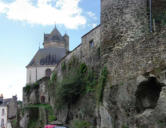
(45, 12)
(92, 15)
(12, 84)
(94, 25)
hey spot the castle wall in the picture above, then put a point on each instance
(122, 21)
(87, 49)
(131, 54)
(31, 73)
(84, 52)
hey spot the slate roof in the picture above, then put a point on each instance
(47, 56)
(5, 102)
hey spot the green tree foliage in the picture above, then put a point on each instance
(78, 79)
(80, 124)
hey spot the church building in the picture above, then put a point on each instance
(43, 63)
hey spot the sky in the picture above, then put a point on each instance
(22, 26)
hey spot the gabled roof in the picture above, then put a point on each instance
(5, 102)
(47, 56)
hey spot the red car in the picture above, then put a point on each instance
(50, 126)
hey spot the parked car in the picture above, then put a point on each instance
(60, 127)
(50, 126)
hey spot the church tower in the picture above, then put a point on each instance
(55, 39)
(43, 63)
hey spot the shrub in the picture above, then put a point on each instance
(35, 85)
(76, 82)
(80, 124)
(90, 81)
(83, 68)
(27, 89)
(124, 126)
(63, 66)
(14, 123)
(51, 116)
(101, 84)
(32, 124)
(47, 107)
(72, 63)
(53, 77)
(69, 90)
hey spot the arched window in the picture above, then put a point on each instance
(3, 112)
(42, 98)
(2, 123)
(48, 72)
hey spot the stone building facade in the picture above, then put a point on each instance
(43, 63)
(3, 116)
(8, 111)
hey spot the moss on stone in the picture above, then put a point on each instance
(78, 79)
(101, 85)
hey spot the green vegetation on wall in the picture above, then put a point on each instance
(80, 124)
(29, 87)
(34, 113)
(53, 77)
(14, 123)
(101, 84)
(78, 79)
(160, 17)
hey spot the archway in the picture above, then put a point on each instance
(42, 98)
(147, 94)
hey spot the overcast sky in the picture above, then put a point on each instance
(22, 25)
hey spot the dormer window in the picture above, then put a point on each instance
(91, 44)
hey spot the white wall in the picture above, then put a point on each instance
(9, 124)
(40, 71)
(3, 116)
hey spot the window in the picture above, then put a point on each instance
(48, 72)
(3, 112)
(91, 44)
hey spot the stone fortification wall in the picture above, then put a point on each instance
(122, 21)
(136, 62)
(85, 52)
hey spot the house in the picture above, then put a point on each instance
(8, 110)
